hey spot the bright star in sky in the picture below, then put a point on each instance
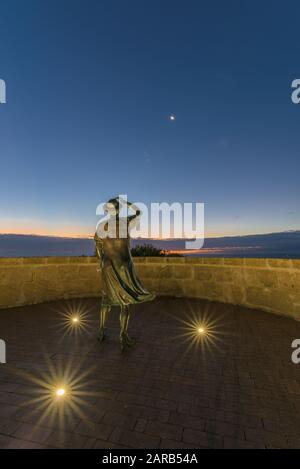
(172, 117)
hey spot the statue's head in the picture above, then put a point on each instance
(113, 206)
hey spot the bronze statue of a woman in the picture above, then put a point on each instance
(120, 284)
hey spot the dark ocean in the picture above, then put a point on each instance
(274, 245)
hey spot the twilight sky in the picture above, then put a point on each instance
(90, 86)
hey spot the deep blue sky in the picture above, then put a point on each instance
(90, 85)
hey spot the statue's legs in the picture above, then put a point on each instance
(125, 340)
(104, 312)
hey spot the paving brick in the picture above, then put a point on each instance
(140, 425)
(60, 439)
(139, 440)
(118, 419)
(11, 398)
(231, 443)
(187, 421)
(95, 430)
(202, 439)
(8, 387)
(35, 417)
(116, 435)
(225, 429)
(293, 442)
(29, 432)
(93, 413)
(130, 398)
(163, 404)
(8, 427)
(32, 445)
(176, 396)
(266, 438)
(164, 430)
(171, 444)
(8, 442)
(243, 420)
(107, 445)
(7, 411)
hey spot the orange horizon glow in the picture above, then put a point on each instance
(90, 234)
(8, 227)
(56, 234)
(40, 228)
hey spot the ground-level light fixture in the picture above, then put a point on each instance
(74, 319)
(60, 392)
(201, 328)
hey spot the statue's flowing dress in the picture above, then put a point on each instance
(120, 283)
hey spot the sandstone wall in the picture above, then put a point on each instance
(269, 284)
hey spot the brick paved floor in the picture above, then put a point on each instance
(238, 391)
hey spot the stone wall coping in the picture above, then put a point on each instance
(260, 263)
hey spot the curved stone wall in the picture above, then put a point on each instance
(272, 285)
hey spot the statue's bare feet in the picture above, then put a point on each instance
(126, 341)
(123, 344)
(102, 336)
(130, 341)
